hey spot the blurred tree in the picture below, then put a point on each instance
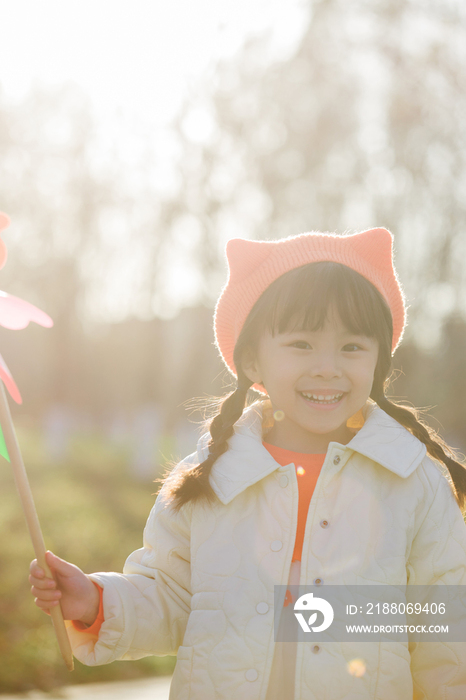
(73, 245)
(416, 163)
(363, 125)
(452, 379)
(51, 189)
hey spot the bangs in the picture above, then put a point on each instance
(302, 299)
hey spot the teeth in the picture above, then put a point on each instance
(325, 399)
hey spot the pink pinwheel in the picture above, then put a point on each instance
(15, 314)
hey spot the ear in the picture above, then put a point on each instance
(249, 366)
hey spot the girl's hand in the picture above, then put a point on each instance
(78, 596)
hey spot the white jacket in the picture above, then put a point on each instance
(202, 586)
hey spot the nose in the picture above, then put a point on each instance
(325, 365)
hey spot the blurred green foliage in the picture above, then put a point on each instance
(92, 513)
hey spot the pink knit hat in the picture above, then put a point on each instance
(254, 265)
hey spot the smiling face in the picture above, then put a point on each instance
(316, 379)
(323, 330)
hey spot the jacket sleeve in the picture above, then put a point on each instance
(146, 608)
(438, 557)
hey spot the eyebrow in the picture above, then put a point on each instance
(344, 333)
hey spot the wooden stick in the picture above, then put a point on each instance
(27, 502)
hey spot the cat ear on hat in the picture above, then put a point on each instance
(244, 256)
(375, 245)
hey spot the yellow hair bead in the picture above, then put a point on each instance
(356, 421)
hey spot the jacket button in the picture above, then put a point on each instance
(318, 581)
(324, 523)
(337, 460)
(283, 481)
(251, 674)
(315, 649)
(276, 546)
(262, 608)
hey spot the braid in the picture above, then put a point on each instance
(194, 483)
(436, 447)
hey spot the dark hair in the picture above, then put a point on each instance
(300, 300)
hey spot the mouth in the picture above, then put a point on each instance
(322, 400)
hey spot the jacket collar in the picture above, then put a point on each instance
(381, 439)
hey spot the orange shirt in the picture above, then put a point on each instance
(97, 624)
(307, 468)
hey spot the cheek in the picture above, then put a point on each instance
(281, 374)
(364, 378)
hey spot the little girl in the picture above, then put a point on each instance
(322, 480)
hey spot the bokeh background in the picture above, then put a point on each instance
(136, 138)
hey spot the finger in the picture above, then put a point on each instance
(45, 595)
(60, 566)
(42, 583)
(35, 569)
(45, 605)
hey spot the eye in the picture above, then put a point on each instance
(300, 342)
(353, 345)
